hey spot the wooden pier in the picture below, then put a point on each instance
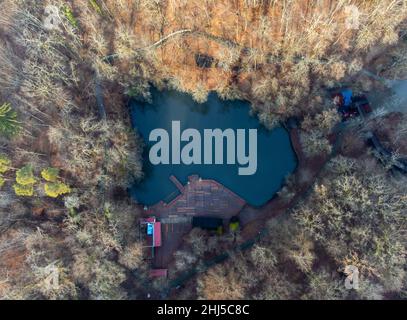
(199, 197)
(178, 184)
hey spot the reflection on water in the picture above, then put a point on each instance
(276, 158)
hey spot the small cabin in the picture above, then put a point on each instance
(159, 273)
(151, 228)
(203, 60)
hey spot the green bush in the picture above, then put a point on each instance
(4, 163)
(56, 189)
(69, 15)
(24, 191)
(96, 6)
(25, 176)
(9, 126)
(50, 174)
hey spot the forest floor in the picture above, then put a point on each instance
(393, 97)
(308, 168)
(392, 100)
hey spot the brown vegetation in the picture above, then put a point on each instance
(355, 215)
(280, 55)
(80, 246)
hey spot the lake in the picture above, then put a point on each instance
(275, 155)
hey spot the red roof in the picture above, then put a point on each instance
(157, 273)
(148, 220)
(157, 234)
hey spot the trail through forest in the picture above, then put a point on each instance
(395, 99)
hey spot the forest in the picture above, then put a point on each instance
(67, 224)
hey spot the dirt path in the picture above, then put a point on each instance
(394, 99)
(253, 218)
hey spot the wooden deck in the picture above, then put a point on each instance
(178, 184)
(198, 198)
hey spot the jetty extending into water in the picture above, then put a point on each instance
(198, 197)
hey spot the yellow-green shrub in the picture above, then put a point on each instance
(70, 16)
(9, 126)
(234, 226)
(56, 189)
(24, 191)
(4, 163)
(2, 181)
(50, 174)
(25, 176)
(96, 6)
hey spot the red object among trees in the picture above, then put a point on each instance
(157, 234)
(159, 273)
(153, 238)
(148, 220)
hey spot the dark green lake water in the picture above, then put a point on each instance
(275, 155)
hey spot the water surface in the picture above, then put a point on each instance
(275, 159)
